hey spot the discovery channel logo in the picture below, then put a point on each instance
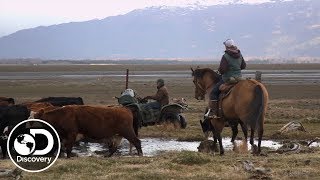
(33, 145)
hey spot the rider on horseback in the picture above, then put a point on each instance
(230, 68)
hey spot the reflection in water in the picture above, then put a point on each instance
(269, 76)
(154, 146)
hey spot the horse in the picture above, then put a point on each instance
(245, 103)
(203, 90)
(93, 122)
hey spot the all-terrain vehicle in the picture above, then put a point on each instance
(168, 113)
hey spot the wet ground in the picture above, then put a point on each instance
(155, 146)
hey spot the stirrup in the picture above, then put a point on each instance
(213, 117)
(208, 115)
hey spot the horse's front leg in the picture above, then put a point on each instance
(215, 139)
(218, 125)
(244, 130)
(218, 135)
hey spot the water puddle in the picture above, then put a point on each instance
(315, 144)
(155, 146)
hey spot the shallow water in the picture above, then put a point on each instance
(155, 146)
(269, 76)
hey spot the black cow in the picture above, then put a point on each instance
(62, 101)
(9, 117)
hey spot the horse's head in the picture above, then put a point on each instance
(206, 127)
(202, 79)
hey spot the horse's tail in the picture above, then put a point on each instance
(258, 105)
(262, 108)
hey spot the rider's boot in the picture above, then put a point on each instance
(214, 109)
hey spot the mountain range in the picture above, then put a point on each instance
(277, 29)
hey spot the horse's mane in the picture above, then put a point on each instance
(200, 72)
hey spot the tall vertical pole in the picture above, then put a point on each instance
(127, 78)
(258, 75)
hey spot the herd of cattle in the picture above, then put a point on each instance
(72, 120)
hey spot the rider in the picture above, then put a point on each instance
(161, 97)
(230, 68)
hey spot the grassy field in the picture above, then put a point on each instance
(293, 102)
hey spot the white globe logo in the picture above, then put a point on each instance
(24, 144)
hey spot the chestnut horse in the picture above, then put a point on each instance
(246, 104)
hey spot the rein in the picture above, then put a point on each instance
(204, 89)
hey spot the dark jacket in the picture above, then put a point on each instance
(162, 96)
(235, 53)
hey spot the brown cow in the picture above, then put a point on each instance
(93, 122)
(37, 106)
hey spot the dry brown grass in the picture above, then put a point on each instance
(182, 165)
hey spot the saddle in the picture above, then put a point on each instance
(226, 89)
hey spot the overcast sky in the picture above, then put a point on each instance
(21, 14)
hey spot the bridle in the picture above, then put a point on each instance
(200, 86)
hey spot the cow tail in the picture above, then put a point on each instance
(136, 119)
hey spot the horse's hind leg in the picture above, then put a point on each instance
(254, 147)
(234, 128)
(260, 133)
(244, 130)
